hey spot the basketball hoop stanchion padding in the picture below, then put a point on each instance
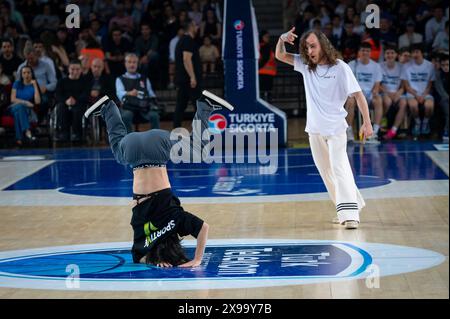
(240, 55)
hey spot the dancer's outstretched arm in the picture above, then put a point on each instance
(200, 249)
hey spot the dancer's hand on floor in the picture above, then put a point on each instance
(192, 263)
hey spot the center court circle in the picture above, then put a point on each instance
(235, 263)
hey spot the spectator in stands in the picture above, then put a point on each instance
(133, 8)
(441, 86)
(11, 16)
(387, 36)
(435, 25)
(304, 22)
(188, 72)
(146, 47)
(317, 25)
(46, 20)
(209, 54)
(89, 53)
(122, 21)
(135, 92)
(404, 55)
(5, 89)
(39, 48)
(65, 41)
(211, 28)
(56, 52)
(17, 38)
(440, 43)
(99, 83)
(418, 76)
(267, 66)
(213, 5)
(195, 14)
(350, 42)
(182, 17)
(172, 45)
(337, 32)
(372, 37)
(369, 76)
(72, 98)
(9, 59)
(28, 9)
(170, 24)
(115, 49)
(410, 36)
(154, 18)
(358, 27)
(97, 30)
(24, 97)
(392, 90)
(105, 9)
(45, 77)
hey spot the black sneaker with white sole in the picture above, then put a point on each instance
(216, 102)
(96, 107)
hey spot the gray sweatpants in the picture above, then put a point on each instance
(154, 146)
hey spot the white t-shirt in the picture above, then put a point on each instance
(391, 77)
(366, 74)
(326, 91)
(418, 75)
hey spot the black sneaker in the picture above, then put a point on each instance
(96, 107)
(216, 102)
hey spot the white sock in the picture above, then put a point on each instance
(376, 128)
(394, 129)
(425, 121)
(417, 119)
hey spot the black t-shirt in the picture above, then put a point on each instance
(10, 66)
(186, 43)
(156, 218)
(76, 88)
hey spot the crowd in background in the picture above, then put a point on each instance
(401, 65)
(75, 66)
(47, 68)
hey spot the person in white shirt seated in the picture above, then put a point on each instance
(369, 76)
(392, 89)
(417, 77)
(409, 37)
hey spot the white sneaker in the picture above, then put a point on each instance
(350, 135)
(220, 102)
(96, 107)
(373, 140)
(351, 224)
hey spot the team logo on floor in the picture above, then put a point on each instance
(242, 263)
(217, 123)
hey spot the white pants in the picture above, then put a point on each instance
(330, 156)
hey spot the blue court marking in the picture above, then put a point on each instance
(94, 172)
(117, 264)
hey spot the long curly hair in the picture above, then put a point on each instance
(327, 50)
(169, 251)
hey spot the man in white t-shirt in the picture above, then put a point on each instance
(369, 75)
(392, 89)
(328, 82)
(418, 76)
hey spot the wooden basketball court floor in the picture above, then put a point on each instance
(412, 211)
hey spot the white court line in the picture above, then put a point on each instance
(12, 172)
(396, 189)
(281, 154)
